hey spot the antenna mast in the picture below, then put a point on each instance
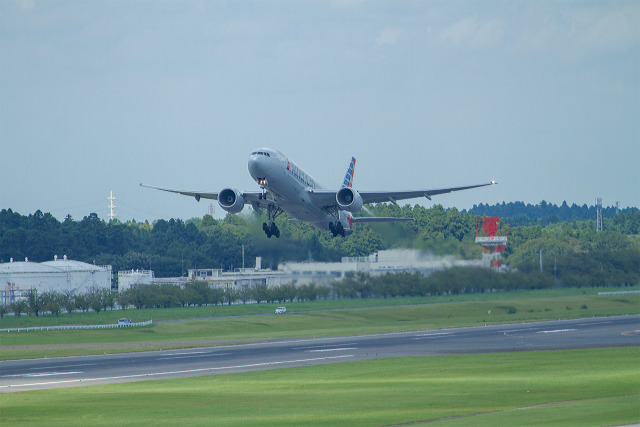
(599, 214)
(111, 206)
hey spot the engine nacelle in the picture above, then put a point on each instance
(349, 199)
(231, 200)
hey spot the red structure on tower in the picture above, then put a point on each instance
(493, 241)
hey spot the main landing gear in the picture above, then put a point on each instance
(271, 230)
(337, 229)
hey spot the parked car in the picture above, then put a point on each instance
(281, 310)
(124, 321)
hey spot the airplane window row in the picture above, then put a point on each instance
(262, 153)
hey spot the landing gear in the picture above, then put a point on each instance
(337, 229)
(271, 230)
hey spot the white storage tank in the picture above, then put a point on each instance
(82, 276)
(57, 275)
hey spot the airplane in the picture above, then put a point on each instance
(285, 187)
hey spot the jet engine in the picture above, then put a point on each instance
(349, 199)
(231, 200)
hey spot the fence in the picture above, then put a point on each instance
(55, 328)
(619, 293)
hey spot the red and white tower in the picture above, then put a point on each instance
(493, 241)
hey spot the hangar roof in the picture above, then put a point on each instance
(27, 267)
(57, 266)
(71, 265)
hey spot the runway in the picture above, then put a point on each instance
(33, 374)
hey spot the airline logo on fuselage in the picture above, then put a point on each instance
(300, 175)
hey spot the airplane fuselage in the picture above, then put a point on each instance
(291, 187)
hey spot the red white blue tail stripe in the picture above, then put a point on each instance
(348, 178)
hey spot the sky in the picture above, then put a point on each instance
(541, 96)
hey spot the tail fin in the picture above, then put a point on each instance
(348, 178)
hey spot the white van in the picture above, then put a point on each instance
(281, 310)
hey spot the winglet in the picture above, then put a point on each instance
(348, 177)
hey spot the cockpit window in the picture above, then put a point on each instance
(261, 153)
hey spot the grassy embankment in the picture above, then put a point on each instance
(319, 318)
(577, 387)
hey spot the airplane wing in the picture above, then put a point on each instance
(250, 197)
(197, 194)
(327, 198)
(393, 196)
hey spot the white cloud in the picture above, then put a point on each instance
(26, 4)
(388, 36)
(611, 27)
(613, 30)
(472, 32)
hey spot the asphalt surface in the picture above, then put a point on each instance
(33, 374)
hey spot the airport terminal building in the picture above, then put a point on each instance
(323, 273)
(381, 262)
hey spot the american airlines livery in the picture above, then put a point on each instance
(287, 188)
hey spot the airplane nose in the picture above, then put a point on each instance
(256, 167)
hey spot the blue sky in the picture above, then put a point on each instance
(543, 97)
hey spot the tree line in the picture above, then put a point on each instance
(355, 285)
(572, 251)
(583, 272)
(54, 303)
(543, 212)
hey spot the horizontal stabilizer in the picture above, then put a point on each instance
(381, 219)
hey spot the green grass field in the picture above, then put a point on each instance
(322, 318)
(576, 387)
(112, 316)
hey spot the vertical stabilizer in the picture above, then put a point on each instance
(348, 178)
